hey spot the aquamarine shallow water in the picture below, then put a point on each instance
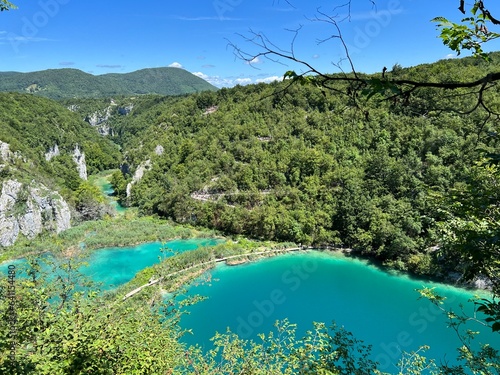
(108, 191)
(116, 266)
(381, 309)
(113, 267)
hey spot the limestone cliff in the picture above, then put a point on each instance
(81, 165)
(30, 210)
(139, 173)
(53, 152)
(100, 120)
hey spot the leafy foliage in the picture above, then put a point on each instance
(64, 329)
(471, 33)
(321, 351)
(6, 5)
(471, 223)
(32, 126)
(298, 163)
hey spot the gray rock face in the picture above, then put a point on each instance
(125, 110)
(99, 120)
(139, 173)
(30, 210)
(81, 165)
(159, 150)
(5, 153)
(9, 227)
(53, 152)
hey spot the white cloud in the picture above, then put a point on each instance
(255, 60)
(23, 39)
(233, 81)
(450, 56)
(215, 80)
(201, 75)
(242, 81)
(269, 79)
(175, 64)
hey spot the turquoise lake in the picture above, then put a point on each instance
(108, 192)
(116, 266)
(379, 308)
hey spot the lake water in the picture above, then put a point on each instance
(116, 266)
(108, 192)
(379, 308)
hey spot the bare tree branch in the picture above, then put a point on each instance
(391, 88)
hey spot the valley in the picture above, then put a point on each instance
(249, 171)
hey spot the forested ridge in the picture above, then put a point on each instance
(311, 166)
(74, 83)
(409, 181)
(41, 142)
(32, 126)
(280, 161)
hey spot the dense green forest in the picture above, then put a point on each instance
(311, 166)
(73, 83)
(33, 125)
(410, 181)
(41, 141)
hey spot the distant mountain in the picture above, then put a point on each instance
(73, 83)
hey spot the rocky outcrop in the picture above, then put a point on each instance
(81, 165)
(100, 120)
(53, 152)
(30, 210)
(7, 156)
(139, 173)
(125, 110)
(5, 153)
(159, 150)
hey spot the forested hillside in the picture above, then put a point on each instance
(274, 161)
(309, 165)
(46, 155)
(33, 126)
(393, 178)
(73, 83)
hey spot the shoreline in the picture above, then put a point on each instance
(71, 251)
(231, 261)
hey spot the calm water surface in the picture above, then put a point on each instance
(381, 309)
(116, 266)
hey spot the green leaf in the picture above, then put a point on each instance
(496, 327)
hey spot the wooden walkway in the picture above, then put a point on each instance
(225, 259)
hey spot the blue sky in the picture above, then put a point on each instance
(121, 36)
